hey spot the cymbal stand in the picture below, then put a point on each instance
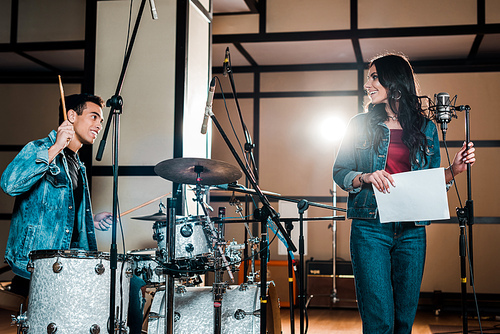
(252, 242)
(170, 282)
(218, 287)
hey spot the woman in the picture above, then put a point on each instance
(393, 136)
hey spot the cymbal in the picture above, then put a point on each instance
(154, 217)
(185, 171)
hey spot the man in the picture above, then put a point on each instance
(52, 209)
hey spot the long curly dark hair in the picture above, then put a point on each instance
(396, 75)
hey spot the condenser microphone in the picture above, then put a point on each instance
(208, 107)
(154, 14)
(443, 112)
(225, 64)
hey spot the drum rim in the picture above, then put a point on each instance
(72, 253)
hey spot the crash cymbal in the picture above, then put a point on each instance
(154, 217)
(185, 171)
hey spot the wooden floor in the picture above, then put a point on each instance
(322, 321)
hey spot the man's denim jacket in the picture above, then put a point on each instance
(357, 155)
(44, 211)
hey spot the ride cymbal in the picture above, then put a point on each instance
(197, 171)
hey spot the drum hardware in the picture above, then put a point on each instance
(95, 329)
(52, 328)
(20, 321)
(253, 242)
(240, 314)
(57, 266)
(99, 268)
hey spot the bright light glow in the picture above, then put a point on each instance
(332, 129)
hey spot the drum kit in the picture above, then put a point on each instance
(69, 289)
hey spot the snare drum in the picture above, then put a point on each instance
(69, 291)
(144, 265)
(191, 240)
(194, 310)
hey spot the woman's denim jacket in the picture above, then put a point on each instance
(43, 215)
(357, 155)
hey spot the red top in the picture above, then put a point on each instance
(398, 156)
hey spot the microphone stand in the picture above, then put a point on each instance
(466, 217)
(249, 146)
(116, 103)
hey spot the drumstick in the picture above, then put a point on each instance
(63, 102)
(143, 205)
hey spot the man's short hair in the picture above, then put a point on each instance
(78, 102)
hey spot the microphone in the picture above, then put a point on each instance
(443, 111)
(225, 64)
(154, 14)
(208, 107)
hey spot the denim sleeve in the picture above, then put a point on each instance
(345, 166)
(26, 169)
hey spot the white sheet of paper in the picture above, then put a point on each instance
(418, 195)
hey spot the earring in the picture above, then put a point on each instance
(397, 96)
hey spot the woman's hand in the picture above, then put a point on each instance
(460, 161)
(380, 180)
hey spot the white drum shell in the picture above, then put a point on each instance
(198, 240)
(196, 311)
(77, 297)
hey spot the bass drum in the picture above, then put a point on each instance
(69, 291)
(194, 310)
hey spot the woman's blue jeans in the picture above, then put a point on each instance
(388, 264)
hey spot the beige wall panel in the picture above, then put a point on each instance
(485, 199)
(295, 159)
(394, 13)
(133, 191)
(492, 11)
(235, 24)
(479, 90)
(220, 151)
(308, 81)
(146, 126)
(243, 83)
(296, 15)
(442, 268)
(30, 111)
(41, 20)
(5, 7)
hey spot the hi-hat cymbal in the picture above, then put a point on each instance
(154, 217)
(186, 171)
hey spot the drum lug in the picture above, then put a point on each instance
(30, 267)
(51, 328)
(99, 269)
(186, 230)
(129, 272)
(95, 329)
(240, 314)
(57, 266)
